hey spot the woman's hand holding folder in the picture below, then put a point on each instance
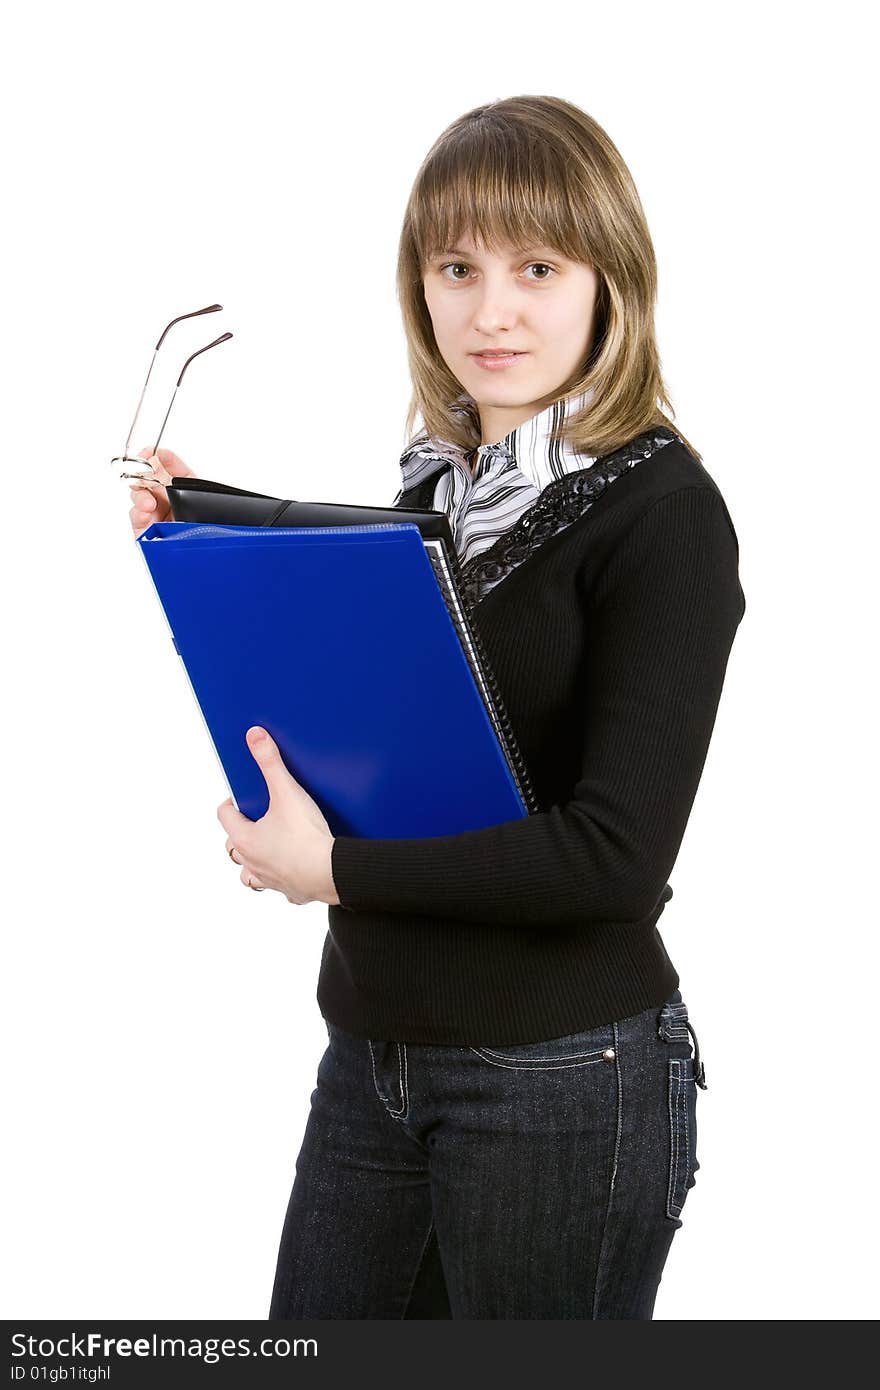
(149, 497)
(290, 848)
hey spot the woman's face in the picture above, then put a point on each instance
(537, 303)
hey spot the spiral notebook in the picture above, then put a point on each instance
(351, 645)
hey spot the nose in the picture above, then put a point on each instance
(495, 308)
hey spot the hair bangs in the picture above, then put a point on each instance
(492, 184)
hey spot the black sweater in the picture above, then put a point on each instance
(609, 642)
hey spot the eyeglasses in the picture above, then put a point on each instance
(125, 457)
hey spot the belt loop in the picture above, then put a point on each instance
(699, 1069)
(672, 1022)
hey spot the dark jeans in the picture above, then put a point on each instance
(536, 1180)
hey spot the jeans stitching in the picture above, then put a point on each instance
(687, 1145)
(570, 1056)
(402, 1063)
(619, 1108)
(673, 1208)
(537, 1064)
(608, 1205)
(673, 1130)
(373, 1062)
(403, 1093)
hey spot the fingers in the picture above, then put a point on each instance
(140, 518)
(160, 472)
(145, 499)
(151, 483)
(247, 876)
(171, 462)
(149, 498)
(149, 503)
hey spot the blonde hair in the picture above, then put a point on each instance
(530, 170)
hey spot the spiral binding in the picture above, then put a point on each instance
(483, 672)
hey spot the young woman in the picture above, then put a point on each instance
(504, 1122)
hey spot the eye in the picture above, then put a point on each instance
(544, 266)
(456, 265)
(453, 265)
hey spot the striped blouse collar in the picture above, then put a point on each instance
(538, 456)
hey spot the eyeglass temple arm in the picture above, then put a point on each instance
(222, 339)
(211, 309)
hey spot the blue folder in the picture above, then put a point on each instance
(350, 647)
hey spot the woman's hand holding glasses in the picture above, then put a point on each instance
(148, 489)
(149, 496)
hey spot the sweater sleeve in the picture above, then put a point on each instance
(661, 619)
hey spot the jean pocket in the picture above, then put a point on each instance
(683, 1165)
(594, 1047)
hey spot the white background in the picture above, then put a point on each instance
(160, 1029)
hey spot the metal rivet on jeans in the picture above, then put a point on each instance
(609, 1054)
